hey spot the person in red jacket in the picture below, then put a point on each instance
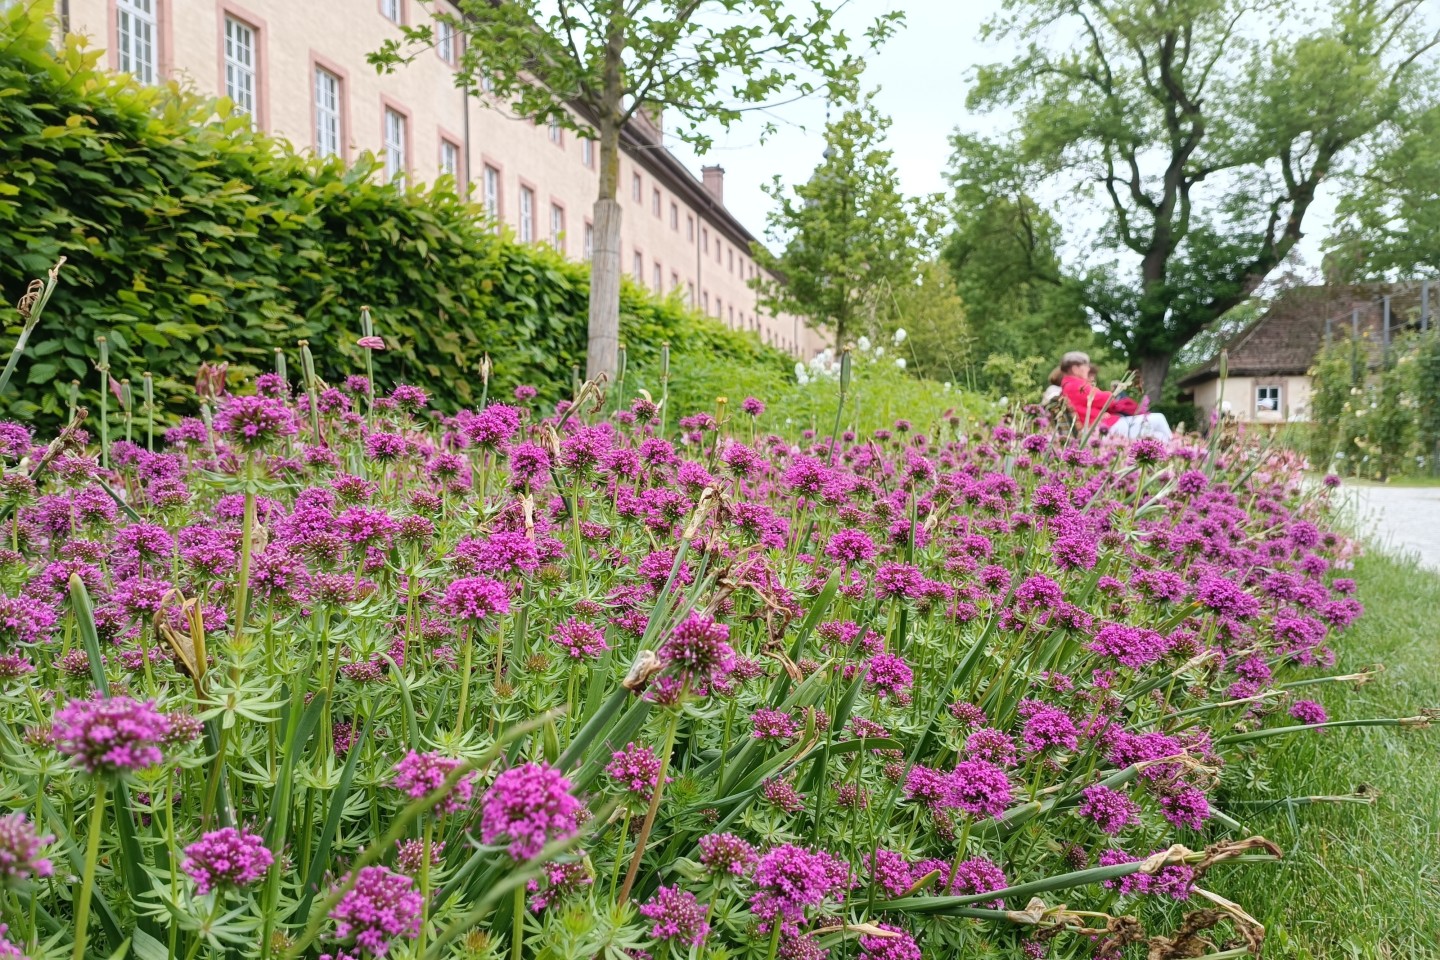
(1119, 416)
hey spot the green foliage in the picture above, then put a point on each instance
(849, 238)
(1375, 423)
(1202, 130)
(1335, 377)
(192, 240)
(593, 66)
(1004, 256)
(934, 318)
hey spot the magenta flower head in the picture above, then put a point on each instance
(579, 640)
(530, 805)
(851, 546)
(111, 737)
(727, 855)
(636, 770)
(371, 343)
(888, 675)
(979, 788)
(226, 858)
(255, 423)
(381, 907)
(477, 599)
(20, 846)
(678, 916)
(1111, 810)
(1308, 711)
(420, 774)
(899, 946)
(790, 880)
(698, 649)
(25, 620)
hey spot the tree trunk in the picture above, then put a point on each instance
(603, 351)
(1154, 368)
(602, 354)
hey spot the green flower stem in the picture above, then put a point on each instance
(645, 828)
(92, 856)
(465, 660)
(517, 935)
(619, 850)
(425, 885)
(247, 544)
(774, 938)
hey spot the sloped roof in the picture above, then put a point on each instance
(1284, 340)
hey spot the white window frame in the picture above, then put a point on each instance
(587, 153)
(556, 133)
(242, 64)
(393, 10)
(658, 276)
(527, 215)
(447, 43)
(329, 134)
(1277, 390)
(638, 268)
(397, 128)
(589, 248)
(450, 158)
(137, 34)
(636, 187)
(557, 226)
(491, 191)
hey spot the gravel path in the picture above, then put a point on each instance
(1403, 519)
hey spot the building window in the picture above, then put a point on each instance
(450, 159)
(635, 187)
(675, 217)
(718, 245)
(589, 250)
(674, 280)
(732, 315)
(390, 10)
(527, 215)
(706, 297)
(732, 259)
(587, 153)
(240, 64)
(1267, 400)
(655, 202)
(690, 292)
(135, 38)
(557, 225)
(327, 113)
(705, 239)
(689, 229)
(491, 191)
(395, 136)
(638, 268)
(446, 42)
(557, 136)
(659, 278)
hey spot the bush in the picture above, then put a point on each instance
(191, 238)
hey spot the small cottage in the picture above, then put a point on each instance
(1270, 360)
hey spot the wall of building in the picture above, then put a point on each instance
(692, 249)
(1242, 398)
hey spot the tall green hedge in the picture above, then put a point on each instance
(190, 237)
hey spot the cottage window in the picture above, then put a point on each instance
(1267, 399)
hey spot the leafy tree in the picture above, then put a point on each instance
(594, 65)
(848, 237)
(1204, 128)
(1388, 224)
(937, 340)
(1003, 254)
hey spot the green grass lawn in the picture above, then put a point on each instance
(1357, 881)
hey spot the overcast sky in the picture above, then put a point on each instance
(923, 75)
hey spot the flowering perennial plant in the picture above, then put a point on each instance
(744, 689)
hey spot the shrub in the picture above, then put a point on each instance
(192, 238)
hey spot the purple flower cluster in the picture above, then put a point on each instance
(530, 805)
(1111, 810)
(479, 600)
(20, 848)
(635, 770)
(227, 857)
(113, 736)
(383, 906)
(420, 774)
(255, 423)
(790, 880)
(679, 917)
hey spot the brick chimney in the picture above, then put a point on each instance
(714, 179)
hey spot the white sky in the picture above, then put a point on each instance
(923, 75)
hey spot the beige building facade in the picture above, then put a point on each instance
(299, 68)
